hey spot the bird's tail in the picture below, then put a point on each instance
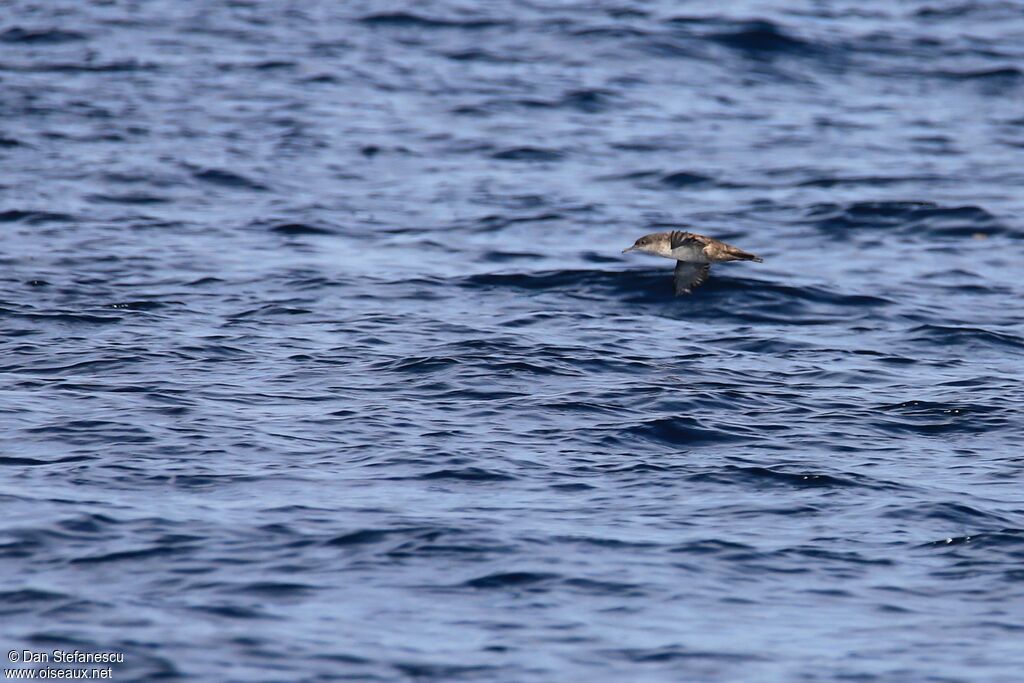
(740, 255)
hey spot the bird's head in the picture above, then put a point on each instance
(656, 243)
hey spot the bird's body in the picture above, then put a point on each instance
(693, 254)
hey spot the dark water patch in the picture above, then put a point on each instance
(928, 418)
(611, 32)
(589, 101)
(599, 258)
(342, 658)
(20, 548)
(839, 556)
(681, 179)
(512, 580)
(674, 48)
(954, 10)
(464, 551)
(472, 110)
(362, 537)
(41, 36)
(123, 178)
(525, 103)
(528, 154)
(272, 310)
(274, 65)
(632, 175)
(917, 218)
(494, 222)
(402, 535)
(27, 600)
(440, 672)
(131, 198)
(139, 305)
(411, 20)
(949, 512)
(505, 257)
(35, 462)
(569, 279)
(572, 488)
(1005, 76)
(223, 178)
(1004, 539)
(605, 588)
(88, 524)
(764, 476)
(712, 546)
(762, 38)
(676, 653)
(523, 367)
(153, 552)
(232, 611)
(613, 543)
(122, 66)
(203, 481)
(865, 181)
(95, 364)
(683, 431)
(86, 432)
(466, 474)
(932, 408)
(970, 337)
(273, 589)
(421, 364)
(477, 54)
(206, 281)
(637, 468)
(931, 428)
(743, 298)
(296, 229)
(34, 217)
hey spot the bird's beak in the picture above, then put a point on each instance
(626, 251)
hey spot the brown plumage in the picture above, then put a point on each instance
(693, 254)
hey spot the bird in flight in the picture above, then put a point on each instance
(693, 254)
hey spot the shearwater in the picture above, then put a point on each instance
(693, 254)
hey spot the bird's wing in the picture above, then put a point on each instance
(678, 238)
(689, 276)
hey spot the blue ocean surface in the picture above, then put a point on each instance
(321, 361)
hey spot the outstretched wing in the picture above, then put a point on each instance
(689, 276)
(678, 238)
